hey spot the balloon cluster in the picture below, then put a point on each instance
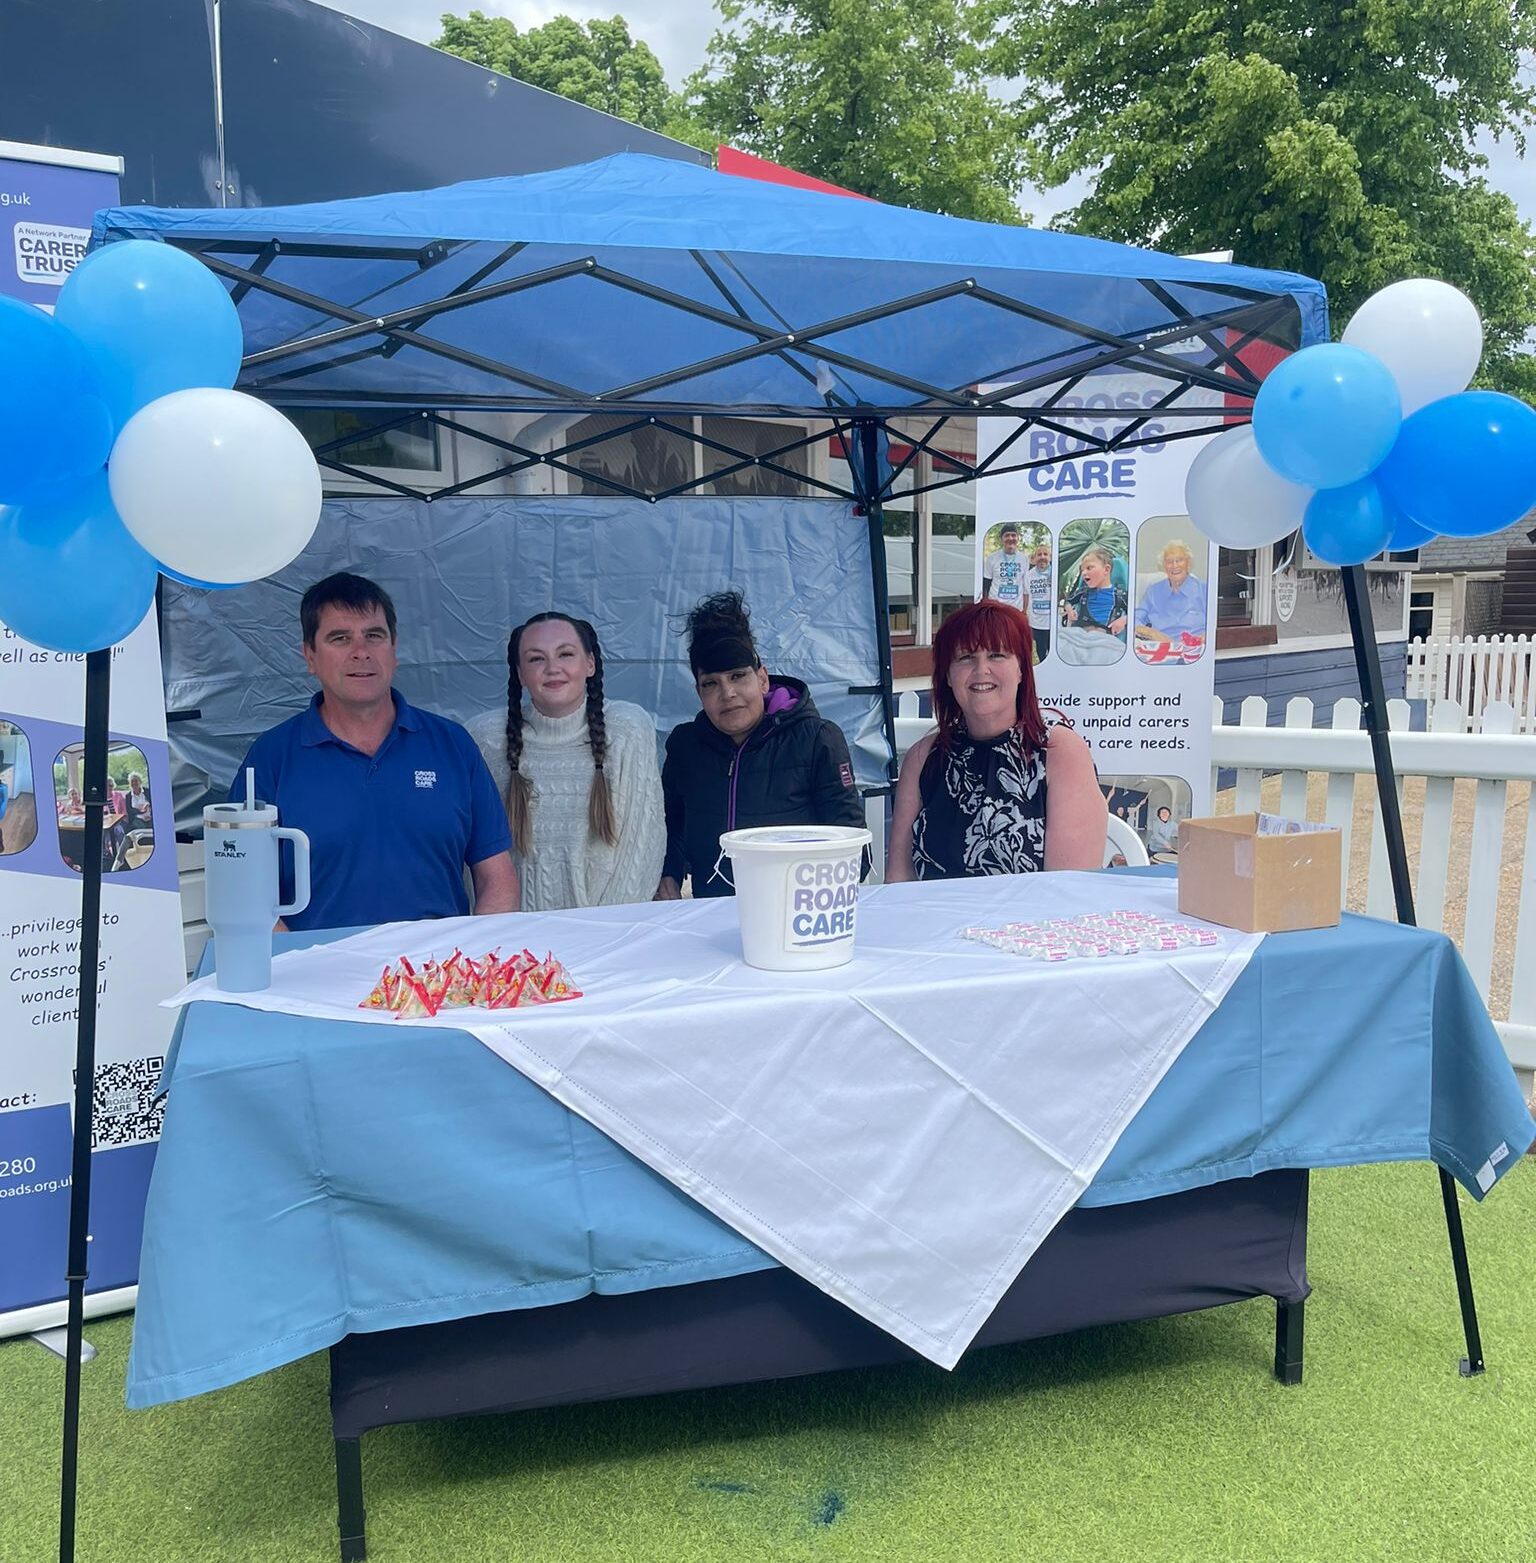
(1373, 442)
(123, 450)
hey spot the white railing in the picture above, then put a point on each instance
(1473, 848)
(1475, 674)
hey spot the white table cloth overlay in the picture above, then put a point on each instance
(903, 1131)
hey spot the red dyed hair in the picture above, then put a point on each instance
(986, 626)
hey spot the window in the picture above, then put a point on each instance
(903, 564)
(1421, 615)
(952, 518)
(753, 437)
(407, 447)
(939, 526)
(647, 460)
(1236, 579)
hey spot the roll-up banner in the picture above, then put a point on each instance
(1099, 551)
(47, 201)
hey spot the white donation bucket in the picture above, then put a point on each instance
(797, 893)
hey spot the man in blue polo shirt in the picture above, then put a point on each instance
(396, 802)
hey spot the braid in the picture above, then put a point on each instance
(519, 799)
(600, 820)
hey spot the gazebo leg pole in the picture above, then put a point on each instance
(98, 681)
(1373, 698)
(864, 465)
(867, 480)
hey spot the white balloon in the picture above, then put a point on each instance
(1236, 498)
(215, 484)
(1426, 332)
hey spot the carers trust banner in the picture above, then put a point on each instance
(46, 207)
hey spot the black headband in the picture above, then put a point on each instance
(719, 651)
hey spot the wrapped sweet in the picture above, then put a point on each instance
(462, 982)
(1093, 936)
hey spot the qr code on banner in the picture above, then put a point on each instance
(124, 1110)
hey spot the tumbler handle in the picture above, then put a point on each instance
(300, 868)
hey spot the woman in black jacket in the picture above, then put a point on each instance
(756, 754)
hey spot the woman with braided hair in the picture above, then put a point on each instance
(578, 772)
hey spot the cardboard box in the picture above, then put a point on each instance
(1246, 871)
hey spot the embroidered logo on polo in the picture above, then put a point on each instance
(426, 778)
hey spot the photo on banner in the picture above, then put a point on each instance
(1153, 807)
(44, 230)
(1169, 596)
(1016, 569)
(1093, 575)
(18, 799)
(1129, 616)
(128, 836)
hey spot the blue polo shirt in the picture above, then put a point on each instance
(390, 833)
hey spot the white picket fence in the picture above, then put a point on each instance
(1487, 863)
(1475, 674)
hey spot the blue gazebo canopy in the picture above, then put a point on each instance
(647, 286)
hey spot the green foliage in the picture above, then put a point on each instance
(1077, 537)
(596, 62)
(885, 97)
(953, 523)
(1330, 137)
(121, 763)
(1031, 535)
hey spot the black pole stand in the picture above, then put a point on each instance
(866, 470)
(1373, 696)
(98, 681)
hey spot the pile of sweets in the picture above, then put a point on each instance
(1093, 934)
(462, 982)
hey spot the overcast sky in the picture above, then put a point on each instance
(679, 30)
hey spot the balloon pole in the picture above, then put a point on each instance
(1362, 632)
(98, 678)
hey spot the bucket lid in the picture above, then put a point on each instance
(791, 839)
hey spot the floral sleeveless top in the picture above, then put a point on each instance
(983, 809)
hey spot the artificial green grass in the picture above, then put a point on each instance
(1167, 1440)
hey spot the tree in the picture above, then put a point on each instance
(885, 97)
(596, 62)
(1331, 137)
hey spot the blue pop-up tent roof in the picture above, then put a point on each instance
(639, 284)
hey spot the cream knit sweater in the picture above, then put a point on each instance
(568, 866)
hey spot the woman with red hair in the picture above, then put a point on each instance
(997, 788)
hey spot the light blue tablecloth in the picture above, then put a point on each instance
(319, 1178)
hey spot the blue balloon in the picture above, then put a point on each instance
(1465, 465)
(1326, 416)
(71, 577)
(54, 426)
(1406, 532)
(1347, 525)
(192, 580)
(154, 320)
